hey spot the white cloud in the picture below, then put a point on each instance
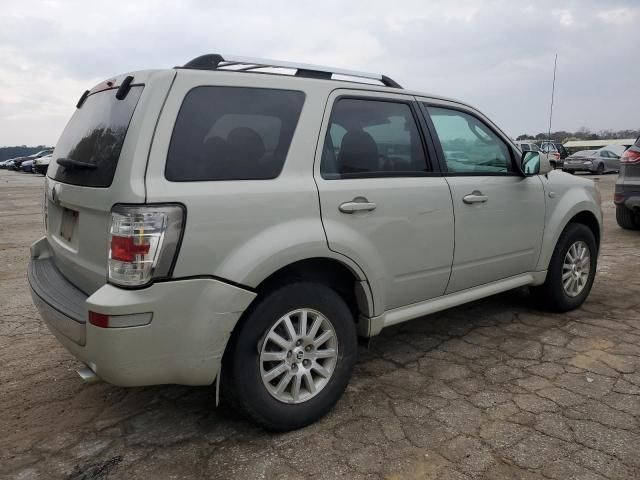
(564, 16)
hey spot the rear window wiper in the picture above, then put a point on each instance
(69, 163)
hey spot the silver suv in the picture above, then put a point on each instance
(241, 221)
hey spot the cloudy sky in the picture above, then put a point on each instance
(495, 54)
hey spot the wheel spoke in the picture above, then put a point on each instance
(273, 356)
(290, 330)
(315, 327)
(321, 370)
(274, 372)
(326, 353)
(566, 275)
(284, 383)
(322, 339)
(308, 379)
(278, 340)
(295, 388)
(303, 323)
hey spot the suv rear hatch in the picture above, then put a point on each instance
(99, 161)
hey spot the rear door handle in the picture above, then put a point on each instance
(475, 197)
(358, 204)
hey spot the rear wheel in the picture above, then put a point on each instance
(292, 357)
(571, 270)
(627, 218)
(600, 169)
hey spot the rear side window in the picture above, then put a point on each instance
(371, 138)
(93, 138)
(232, 133)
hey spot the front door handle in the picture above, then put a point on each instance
(475, 197)
(359, 204)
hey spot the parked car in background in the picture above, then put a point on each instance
(528, 146)
(627, 192)
(604, 160)
(219, 238)
(41, 165)
(27, 166)
(557, 153)
(7, 163)
(18, 162)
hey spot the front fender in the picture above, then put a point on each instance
(564, 200)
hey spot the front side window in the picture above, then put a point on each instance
(469, 146)
(232, 133)
(371, 138)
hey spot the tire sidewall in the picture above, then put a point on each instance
(573, 233)
(250, 389)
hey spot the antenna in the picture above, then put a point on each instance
(553, 89)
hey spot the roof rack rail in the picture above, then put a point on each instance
(215, 61)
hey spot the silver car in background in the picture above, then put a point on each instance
(604, 160)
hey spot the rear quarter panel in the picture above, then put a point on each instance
(245, 230)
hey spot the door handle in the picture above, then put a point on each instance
(359, 204)
(475, 197)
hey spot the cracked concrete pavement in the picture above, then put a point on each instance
(495, 389)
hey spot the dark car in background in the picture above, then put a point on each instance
(627, 192)
(556, 152)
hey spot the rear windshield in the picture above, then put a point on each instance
(94, 136)
(232, 133)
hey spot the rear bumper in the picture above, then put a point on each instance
(578, 168)
(191, 321)
(629, 197)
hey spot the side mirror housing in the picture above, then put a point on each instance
(535, 163)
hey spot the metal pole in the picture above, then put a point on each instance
(553, 89)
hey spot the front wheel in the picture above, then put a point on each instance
(292, 356)
(571, 270)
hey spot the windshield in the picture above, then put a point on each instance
(94, 137)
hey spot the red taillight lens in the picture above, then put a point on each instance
(556, 156)
(125, 249)
(99, 319)
(630, 156)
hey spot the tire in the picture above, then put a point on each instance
(243, 364)
(627, 218)
(600, 169)
(552, 294)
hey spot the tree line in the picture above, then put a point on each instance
(583, 133)
(19, 151)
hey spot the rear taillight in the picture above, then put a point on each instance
(556, 156)
(630, 156)
(143, 242)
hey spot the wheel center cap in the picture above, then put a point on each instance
(298, 354)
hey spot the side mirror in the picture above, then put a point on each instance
(533, 163)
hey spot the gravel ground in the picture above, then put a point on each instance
(494, 389)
